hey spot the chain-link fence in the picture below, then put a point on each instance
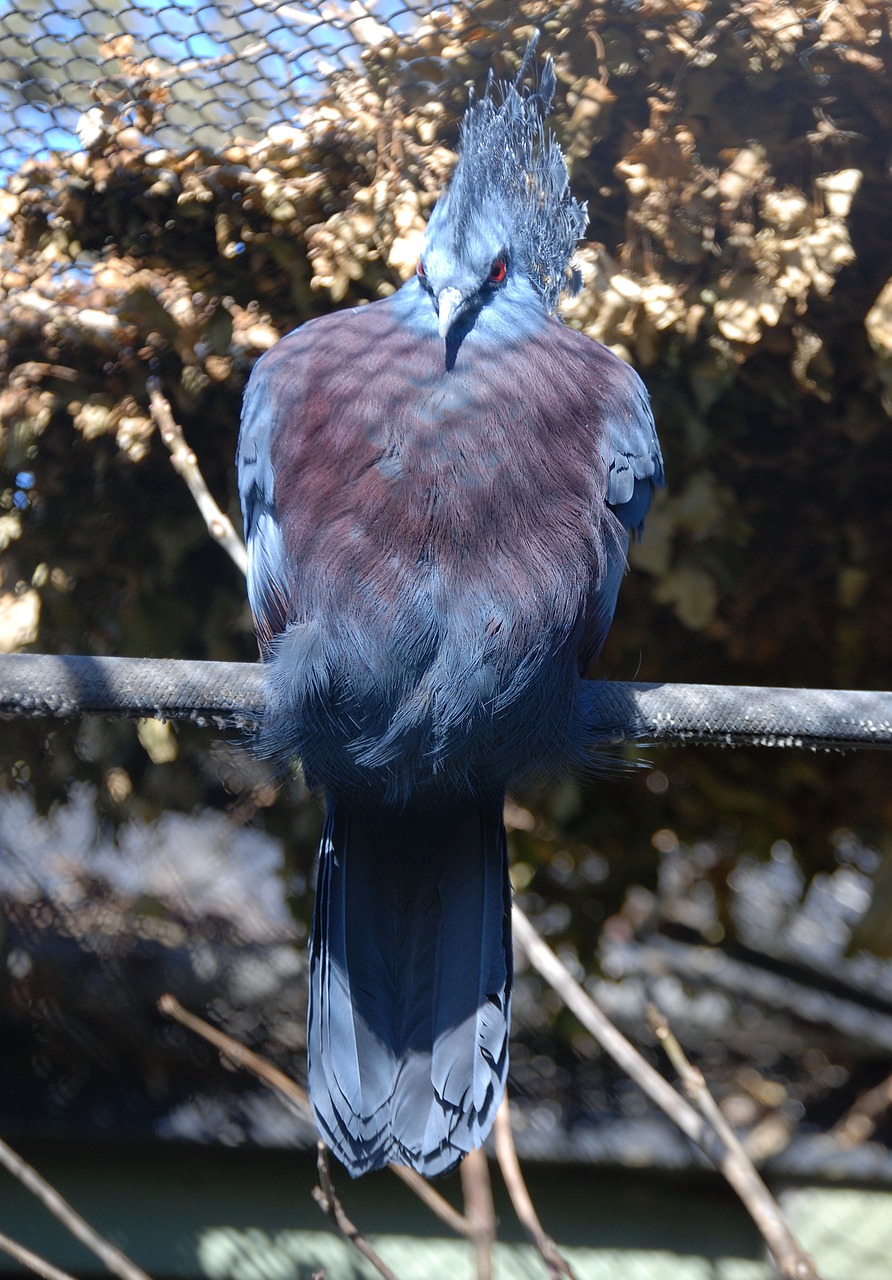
(189, 74)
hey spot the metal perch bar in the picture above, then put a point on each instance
(230, 694)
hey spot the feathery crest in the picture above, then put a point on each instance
(507, 157)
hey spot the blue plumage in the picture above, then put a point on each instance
(438, 492)
(410, 969)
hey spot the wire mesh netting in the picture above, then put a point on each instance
(188, 74)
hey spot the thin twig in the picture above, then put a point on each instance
(327, 1200)
(237, 1053)
(32, 1261)
(293, 1093)
(506, 1154)
(434, 1201)
(185, 464)
(479, 1210)
(791, 1258)
(734, 1164)
(860, 1121)
(692, 1079)
(110, 1255)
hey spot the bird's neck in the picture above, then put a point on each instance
(514, 315)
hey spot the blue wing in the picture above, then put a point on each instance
(267, 577)
(634, 470)
(634, 459)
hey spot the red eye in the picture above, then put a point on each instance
(498, 271)
(421, 270)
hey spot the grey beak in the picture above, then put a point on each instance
(449, 302)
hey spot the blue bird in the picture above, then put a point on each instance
(438, 493)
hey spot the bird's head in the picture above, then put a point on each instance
(508, 224)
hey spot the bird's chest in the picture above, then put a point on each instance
(443, 453)
(481, 471)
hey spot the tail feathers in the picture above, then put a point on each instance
(410, 977)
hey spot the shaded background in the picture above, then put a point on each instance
(183, 185)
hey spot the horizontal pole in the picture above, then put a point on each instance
(224, 694)
(231, 695)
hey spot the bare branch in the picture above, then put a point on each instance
(479, 1210)
(327, 1200)
(506, 1154)
(324, 1194)
(294, 1094)
(110, 1255)
(546, 963)
(31, 1260)
(435, 1202)
(861, 1119)
(692, 1078)
(736, 1166)
(791, 1258)
(237, 1053)
(185, 464)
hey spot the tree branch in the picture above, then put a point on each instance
(434, 1201)
(185, 464)
(294, 1094)
(327, 1200)
(31, 1260)
(110, 1255)
(241, 1056)
(791, 1258)
(479, 1210)
(506, 1154)
(860, 1121)
(324, 1195)
(732, 1161)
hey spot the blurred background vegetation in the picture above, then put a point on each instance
(735, 156)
